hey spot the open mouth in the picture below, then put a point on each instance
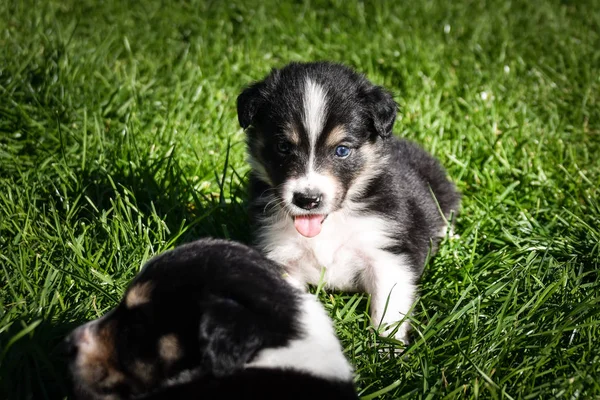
(309, 225)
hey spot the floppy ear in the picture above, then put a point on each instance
(229, 336)
(248, 103)
(383, 109)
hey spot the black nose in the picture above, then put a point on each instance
(307, 201)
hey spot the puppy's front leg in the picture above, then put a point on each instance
(392, 284)
(296, 272)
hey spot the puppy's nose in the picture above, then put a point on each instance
(307, 201)
(81, 338)
(68, 347)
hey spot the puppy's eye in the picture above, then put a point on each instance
(284, 147)
(342, 151)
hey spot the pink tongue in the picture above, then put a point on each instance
(308, 225)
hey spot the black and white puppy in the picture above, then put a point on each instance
(210, 319)
(332, 187)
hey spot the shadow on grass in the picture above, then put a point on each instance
(31, 366)
(31, 363)
(160, 187)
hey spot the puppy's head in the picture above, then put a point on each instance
(201, 309)
(314, 136)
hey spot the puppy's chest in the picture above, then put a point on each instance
(346, 246)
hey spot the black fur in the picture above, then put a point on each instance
(395, 179)
(259, 383)
(278, 98)
(403, 189)
(403, 193)
(268, 107)
(223, 302)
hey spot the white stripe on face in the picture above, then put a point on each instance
(315, 111)
(315, 108)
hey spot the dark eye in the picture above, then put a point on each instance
(284, 147)
(342, 151)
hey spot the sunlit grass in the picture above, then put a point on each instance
(119, 139)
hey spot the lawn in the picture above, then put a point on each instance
(119, 139)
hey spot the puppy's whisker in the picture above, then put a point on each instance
(275, 204)
(270, 190)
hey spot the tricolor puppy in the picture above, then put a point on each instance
(332, 187)
(211, 319)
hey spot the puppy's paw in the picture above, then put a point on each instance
(297, 283)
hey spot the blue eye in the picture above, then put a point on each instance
(342, 151)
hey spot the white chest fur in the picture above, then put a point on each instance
(351, 248)
(348, 245)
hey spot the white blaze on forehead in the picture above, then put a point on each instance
(314, 119)
(315, 109)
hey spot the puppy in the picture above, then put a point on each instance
(331, 187)
(210, 319)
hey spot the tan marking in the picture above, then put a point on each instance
(96, 363)
(139, 294)
(335, 136)
(168, 348)
(373, 164)
(368, 151)
(144, 371)
(293, 135)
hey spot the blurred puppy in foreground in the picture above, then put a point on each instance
(210, 319)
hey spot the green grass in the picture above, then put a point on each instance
(119, 139)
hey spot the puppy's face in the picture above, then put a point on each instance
(314, 134)
(203, 309)
(134, 348)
